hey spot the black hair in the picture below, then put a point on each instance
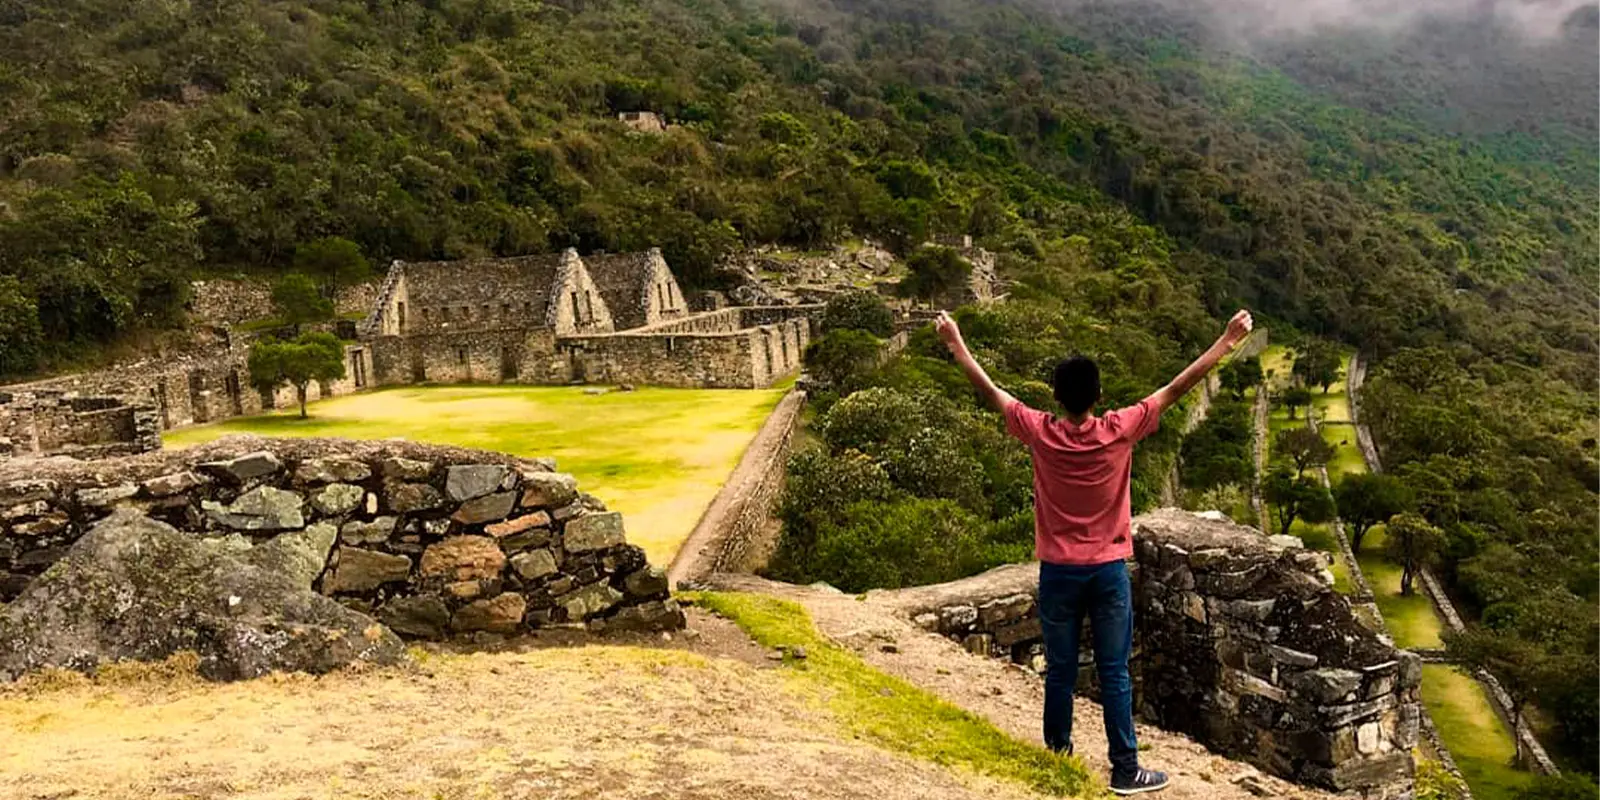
(1077, 384)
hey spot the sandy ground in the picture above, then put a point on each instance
(1011, 697)
(703, 716)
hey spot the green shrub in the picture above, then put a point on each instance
(843, 359)
(861, 311)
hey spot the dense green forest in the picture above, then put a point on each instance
(1425, 193)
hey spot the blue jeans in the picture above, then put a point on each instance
(1102, 591)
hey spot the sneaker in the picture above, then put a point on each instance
(1141, 781)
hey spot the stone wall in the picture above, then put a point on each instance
(738, 533)
(1240, 641)
(230, 301)
(52, 422)
(738, 348)
(432, 541)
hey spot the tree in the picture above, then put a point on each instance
(843, 359)
(1524, 668)
(1240, 374)
(861, 311)
(1413, 543)
(336, 260)
(935, 273)
(1295, 397)
(1366, 499)
(21, 337)
(298, 301)
(1294, 498)
(311, 357)
(1304, 446)
(1317, 364)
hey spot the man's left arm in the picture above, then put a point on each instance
(950, 334)
(1167, 396)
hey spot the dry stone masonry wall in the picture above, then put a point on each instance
(1240, 641)
(433, 542)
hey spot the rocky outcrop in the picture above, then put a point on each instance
(1240, 641)
(135, 588)
(431, 541)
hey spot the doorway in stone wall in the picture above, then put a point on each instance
(508, 363)
(419, 366)
(160, 393)
(234, 398)
(358, 368)
(197, 397)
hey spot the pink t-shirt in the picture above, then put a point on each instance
(1082, 513)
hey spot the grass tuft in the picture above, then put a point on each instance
(891, 712)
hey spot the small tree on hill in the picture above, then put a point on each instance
(1294, 397)
(336, 261)
(1522, 667)
(861, 311)
(935, 272)
(310, 357)
(1413, 543)
(1295, 498)
(1241, 374)
(1366, 499)
(1303, 446)
(1317, 364)
(299, 301)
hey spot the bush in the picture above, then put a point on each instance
(843, 359)
(872, 545)
(935, 272)
(1221, 450)
(860, 311)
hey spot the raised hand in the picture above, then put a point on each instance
(949, 332)
(1238, 328)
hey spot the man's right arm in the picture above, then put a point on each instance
(1238, 328)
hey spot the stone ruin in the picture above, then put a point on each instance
(1240, 641)
(542, 319)
(54, 421)
(307, 554)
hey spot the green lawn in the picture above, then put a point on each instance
(1347, 458)
(1477, 738)
(656, 455)
(1412, 620)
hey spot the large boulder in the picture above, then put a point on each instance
(133, 588)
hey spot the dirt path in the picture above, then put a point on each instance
(1009, 696)
(699, 718)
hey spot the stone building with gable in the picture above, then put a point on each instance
(564, 318)
(639, 288)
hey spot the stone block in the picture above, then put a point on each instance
(655, 615)
(405, 469)
(405, 498)
(548, 489)
(106, 497)
(23, 511)
(1242, 683)
(515, 525)
(464, 590)
(27, 491)
(591, 600)
(957, 618)
(1022, 630)
(1327, 685)
(593, 532)
(500, 614)
(461, 558)
(49, 524)
(423, 616)
(468, 481)
(332, 470)
(175, 483)
(263, 508)
(534, 564)
(374, 532)
(337, 499)
(646, 582)
(245, 468)
(364, 570)
(1291, 658)
(488, 508)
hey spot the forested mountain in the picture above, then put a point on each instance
(1421, 187)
